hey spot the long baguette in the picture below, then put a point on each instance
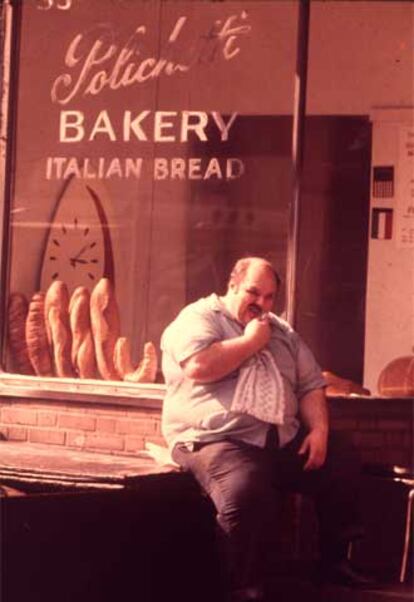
(83, 349)
(58, 328)
(17, 311)
(147, 368)
(122, 357)
(105, 327)
(36, 336)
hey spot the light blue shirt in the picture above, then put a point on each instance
(201, 412)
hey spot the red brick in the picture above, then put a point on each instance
(398, 424)
(77, 421)
(398, 457)
(397, 439)
(369, 439)
(344, 424)
(136, 427)
(16, 433)
(105, 425)
(367, 424)
(112, 411)
(157, 440)
(371, 456)
(47, 418)
(133, 444)
(47, 436)
(18, 416)
(143, 413)
(74, 439)
(104, 442)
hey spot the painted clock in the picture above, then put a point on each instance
(78, 247)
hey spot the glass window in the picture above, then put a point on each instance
(151, 148)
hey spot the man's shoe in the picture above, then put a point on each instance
(343, 573)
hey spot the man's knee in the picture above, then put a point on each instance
(246, 495)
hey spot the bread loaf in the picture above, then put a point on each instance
(342, 386)
(18, 308)
(83, 350)
(58, 329)
(147, 369)
(122, 357)
(105, 327)
(36, 336)
(397, 378)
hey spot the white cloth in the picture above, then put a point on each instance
(259, 390)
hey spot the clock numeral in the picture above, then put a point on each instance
(52, 258)
(94, 261)
(56, 242)
(75, 221)
(86, 231)
(91, 276)
(55, 275)
(64, 229)
(92, 245)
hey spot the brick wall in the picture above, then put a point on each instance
(82, 426)
(382, 429)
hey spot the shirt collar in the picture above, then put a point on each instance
(216, 304)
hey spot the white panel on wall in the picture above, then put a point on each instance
(390, 284)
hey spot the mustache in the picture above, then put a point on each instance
(255, 309)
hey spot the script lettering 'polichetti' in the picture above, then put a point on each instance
(154, 126)
(97, 60)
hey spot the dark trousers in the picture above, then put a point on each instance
(243, 482)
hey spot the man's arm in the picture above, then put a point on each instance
(222, 357)
(314, 413)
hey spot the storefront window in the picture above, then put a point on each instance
(151, 148)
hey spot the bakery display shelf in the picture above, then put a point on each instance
(114, 392)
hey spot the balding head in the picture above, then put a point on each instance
(241, 266)
(252, 289)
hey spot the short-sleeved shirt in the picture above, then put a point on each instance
(201, 412)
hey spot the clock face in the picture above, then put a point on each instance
(78, 250)
(74, 255)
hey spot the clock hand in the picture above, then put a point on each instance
(74, 261)
(81, 252)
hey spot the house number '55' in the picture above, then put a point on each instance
(59, 4)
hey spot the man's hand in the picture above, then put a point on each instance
(315, 446)
(222, 357)
(258, 332)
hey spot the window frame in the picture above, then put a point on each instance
(97, 391)
(38, 387)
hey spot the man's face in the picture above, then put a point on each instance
(253, 295)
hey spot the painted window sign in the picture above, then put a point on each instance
(405, 200)
(141, 141)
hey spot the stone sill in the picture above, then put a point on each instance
(136, 394)
(85, 390)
